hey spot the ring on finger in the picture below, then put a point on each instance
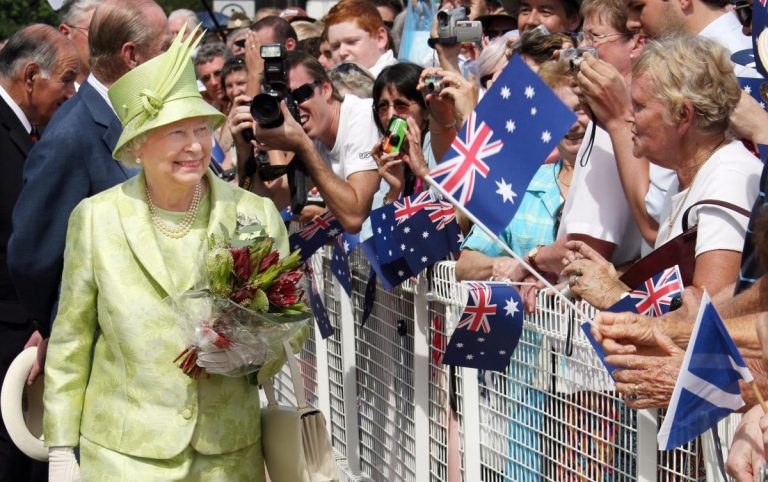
(574, 280)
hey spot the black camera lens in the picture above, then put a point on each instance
(265, 109)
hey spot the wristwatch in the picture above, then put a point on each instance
(532, 256)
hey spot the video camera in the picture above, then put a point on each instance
(454, 27)
(265, 109)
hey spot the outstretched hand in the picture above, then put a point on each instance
(648, 381)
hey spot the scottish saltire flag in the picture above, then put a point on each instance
(340, 265)
(390, 274)
(759, 24)
(314, 234)
(489, 329)
(751, 86)
(504, 141)
(655, 296)
(707, 388)
(318, 308)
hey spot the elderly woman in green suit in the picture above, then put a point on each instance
(111, 386)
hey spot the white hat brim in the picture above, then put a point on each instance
(16, 421)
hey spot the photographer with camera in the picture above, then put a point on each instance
(330, 135)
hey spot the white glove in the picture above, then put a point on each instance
(226, 361)
(62, 465)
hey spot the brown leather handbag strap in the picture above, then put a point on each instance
(714, 202)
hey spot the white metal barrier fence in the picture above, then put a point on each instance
(396, 414)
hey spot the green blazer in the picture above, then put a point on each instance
(109, 373)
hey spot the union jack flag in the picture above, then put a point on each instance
(410, 205)
(320, 223)
(478, 311)
(442, 213)
(501, 146)
(491, 307)
(655, 296)
(460, 171)
(315, 234)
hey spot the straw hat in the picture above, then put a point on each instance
(22, 406)
(159, 92)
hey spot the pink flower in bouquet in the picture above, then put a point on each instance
(242, 266)
(284, 292)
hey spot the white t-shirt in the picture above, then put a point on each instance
(386, 59)
(732, 174)
(356, 135)
(596, 204)
(726, 30)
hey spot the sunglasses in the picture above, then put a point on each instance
(743, 11)
(305, 92)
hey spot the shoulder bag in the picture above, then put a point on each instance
(295, 440)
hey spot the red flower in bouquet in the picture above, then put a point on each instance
(283, 292)
(242, 263)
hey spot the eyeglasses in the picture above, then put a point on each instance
(400, 106)
(743, 11)
(84, 29)
(592, 39)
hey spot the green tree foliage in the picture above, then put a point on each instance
(18, 13)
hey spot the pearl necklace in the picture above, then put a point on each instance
(186, 223)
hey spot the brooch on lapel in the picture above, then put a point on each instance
(249, 227)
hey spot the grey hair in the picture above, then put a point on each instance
(73, 11)
(188, 15)
(491, 57)
(208, 52)
(35, 43)
(350, 77)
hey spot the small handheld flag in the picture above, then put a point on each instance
(707, 387)
(489, 329)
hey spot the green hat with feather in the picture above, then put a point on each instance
(159, 92)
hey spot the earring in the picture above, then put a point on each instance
(138, 160)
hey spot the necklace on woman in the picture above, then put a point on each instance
(673, 216)
(185, 226)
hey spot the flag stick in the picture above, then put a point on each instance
(759, 396)
(501, 244)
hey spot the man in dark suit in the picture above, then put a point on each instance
(73, 160)
(38, 67)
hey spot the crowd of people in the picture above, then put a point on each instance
(128, 134)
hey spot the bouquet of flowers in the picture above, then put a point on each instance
(253, 303)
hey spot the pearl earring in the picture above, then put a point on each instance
(138, 160)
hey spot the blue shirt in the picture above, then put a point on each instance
(534, 222)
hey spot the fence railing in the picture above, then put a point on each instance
(395, 413)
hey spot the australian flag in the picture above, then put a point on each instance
(489, 329)
(752, 86)
(313, 235)
(759, 24)
(654, 297)
(390, 274)
(498, 150)
(707, 388)
(318, 308)
(392, 225)
(340, 264)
